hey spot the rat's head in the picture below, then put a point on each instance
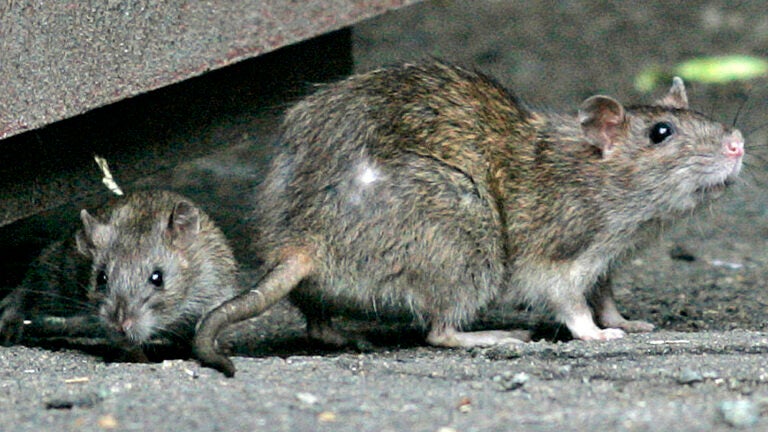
(664, 154)
(141, 264)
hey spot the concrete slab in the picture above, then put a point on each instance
(59, 59)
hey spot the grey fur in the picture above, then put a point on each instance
(128, 240)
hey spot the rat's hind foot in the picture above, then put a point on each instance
(323, 332)
(629, 326)
(607, 313)
(449, 337)
(610, 317)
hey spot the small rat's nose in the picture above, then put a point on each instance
(733, 145)
(121, 319)
(125, 325)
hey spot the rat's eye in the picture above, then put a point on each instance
(660, 131)
(101, 280)
(156, 278)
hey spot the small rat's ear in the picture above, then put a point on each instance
(676, 96)
(603, 121)
(184, 222)
(93, 235)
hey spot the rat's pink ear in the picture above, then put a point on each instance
(676, 96)
(603, 121)
(93, 235)
(184, 222)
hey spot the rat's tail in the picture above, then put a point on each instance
(276, 285)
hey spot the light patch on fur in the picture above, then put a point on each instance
(182, 260)
(368, 176)
(550, 284)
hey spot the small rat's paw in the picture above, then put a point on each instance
(11, 326)
(11, 332)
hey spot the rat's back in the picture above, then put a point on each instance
(383, 177)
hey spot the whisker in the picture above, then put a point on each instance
(58, 301)
(744, 99)
(759, 157)
(743, 181)
(758, 128)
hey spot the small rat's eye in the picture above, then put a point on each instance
(660, 131)
(156, 278)
(101, 280)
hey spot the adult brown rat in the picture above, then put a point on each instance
(149, 265)
(430, 190)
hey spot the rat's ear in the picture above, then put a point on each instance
(184, 222)
(93, 235)
(603, 121)
(676, 96)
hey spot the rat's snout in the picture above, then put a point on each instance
(733, 145)
(125, 325)
(122, 322)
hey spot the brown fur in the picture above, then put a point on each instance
(431, 191)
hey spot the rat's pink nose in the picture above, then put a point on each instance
(125, 325)
(733, 144)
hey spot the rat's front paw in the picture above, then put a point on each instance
(11, 323)
(602, 334)
(582, 327)
(11, 329)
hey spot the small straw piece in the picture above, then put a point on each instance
(108, 180)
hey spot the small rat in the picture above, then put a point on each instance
(149, 265)
(430, 190)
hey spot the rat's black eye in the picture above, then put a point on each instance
(156, 278)
(101, 280)
(660, 131)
